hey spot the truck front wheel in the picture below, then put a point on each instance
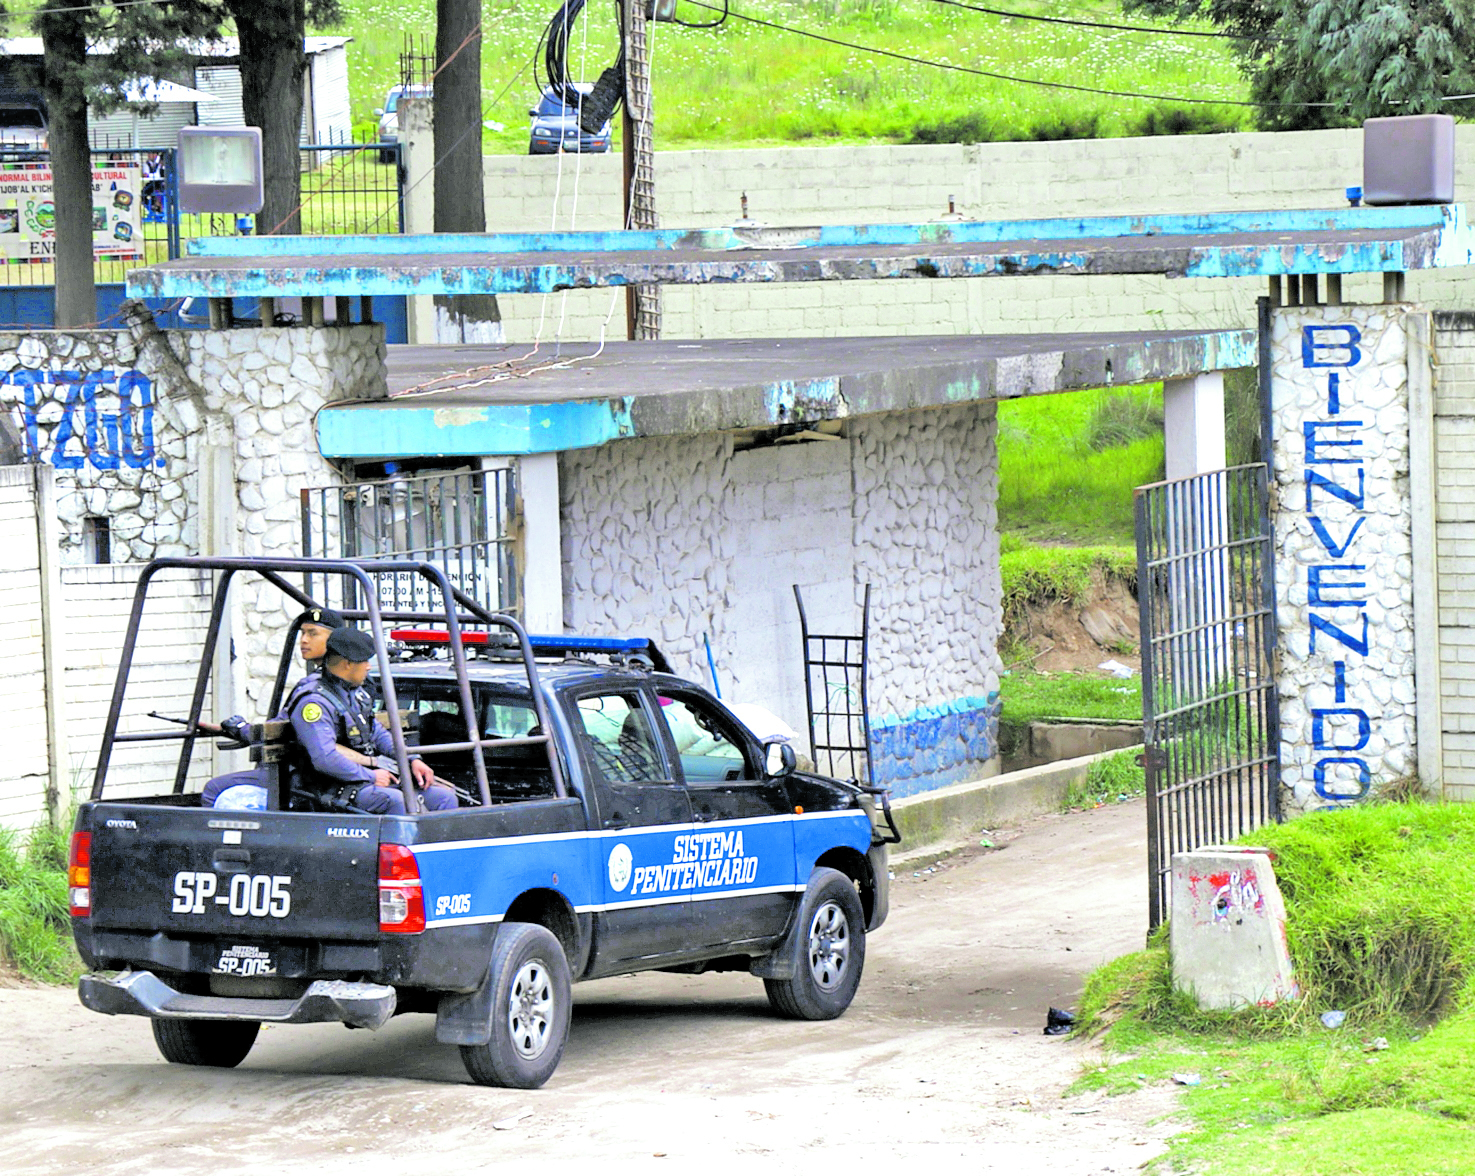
(831, 951)
(530, 1010)
(206, 1043)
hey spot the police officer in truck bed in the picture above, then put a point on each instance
(313, 629)
(338, 710)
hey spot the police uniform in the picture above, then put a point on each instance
(329, 619)
(332, 712)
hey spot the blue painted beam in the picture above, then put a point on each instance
(408, 430)
(809, 237)
(1345, 249)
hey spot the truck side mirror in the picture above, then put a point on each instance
(778, 759)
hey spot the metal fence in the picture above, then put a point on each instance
(466, 522)
(1210, 714)
(346, 188)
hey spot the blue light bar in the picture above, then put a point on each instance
(555, 643)
(547, 644)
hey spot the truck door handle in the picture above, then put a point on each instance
(232, 861)
(616, 821)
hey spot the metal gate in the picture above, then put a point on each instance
(835, 691)
(466, 522)
(1211, 721)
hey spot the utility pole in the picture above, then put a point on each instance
(642, 303)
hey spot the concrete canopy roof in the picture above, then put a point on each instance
(1239, 244)
(488, 400)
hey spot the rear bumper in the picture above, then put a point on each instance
(142, 994)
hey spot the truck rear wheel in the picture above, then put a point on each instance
(224, 1044)
(531, 1005)
(831, 951)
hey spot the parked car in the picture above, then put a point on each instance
(389, 115)
(556, 126)
(23, 124)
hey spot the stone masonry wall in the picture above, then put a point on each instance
(1344, 567)
(848, 185)
(266, 386)
(130, 420)
(686, 540)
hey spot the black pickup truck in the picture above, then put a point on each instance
(613, 818)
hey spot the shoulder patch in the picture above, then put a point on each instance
(311, 713)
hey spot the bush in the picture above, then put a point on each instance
(1177, 121)
(1110, 780)
(35, 930)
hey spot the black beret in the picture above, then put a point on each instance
(322, 616)
(351, 644)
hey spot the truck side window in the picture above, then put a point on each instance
(619, 738)
(705, 740)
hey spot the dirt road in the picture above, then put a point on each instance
(940, 1064)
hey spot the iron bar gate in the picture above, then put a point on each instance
(1211, 722)
(835, 691)
(464, 522)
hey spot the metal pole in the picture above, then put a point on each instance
(642, 303)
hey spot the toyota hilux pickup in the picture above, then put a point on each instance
(612, 818)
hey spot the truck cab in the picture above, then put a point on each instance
(612, 817)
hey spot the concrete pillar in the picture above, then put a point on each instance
(216, 471)
(1228, 938)
(417, 140)
(1193, 432)
(1193, 424)
(542, 574)
(1350, 425)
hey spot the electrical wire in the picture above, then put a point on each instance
(1003, 77)
(75, 8)
(1090, 24)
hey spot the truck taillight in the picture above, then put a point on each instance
(401, 902)
(79, 874)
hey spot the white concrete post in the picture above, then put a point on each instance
(542, 568)
(1193, 424)
(217, 498)
(417, 144)
(53, 653)
(1193, 435)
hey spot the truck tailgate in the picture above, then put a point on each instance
(246, 874)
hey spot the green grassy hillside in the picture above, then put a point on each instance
(747, 85)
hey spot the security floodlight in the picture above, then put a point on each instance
(220, 169)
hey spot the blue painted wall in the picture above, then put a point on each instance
(935, 746)
(32, 307)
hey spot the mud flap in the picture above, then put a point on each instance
(465, 1018)
(881, 885)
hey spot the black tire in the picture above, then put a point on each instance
(223, 1044)
(531, 1004)
(831, 951)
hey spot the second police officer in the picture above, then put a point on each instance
(338, 710)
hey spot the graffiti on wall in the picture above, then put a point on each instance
(72, 419)
(1343, 529)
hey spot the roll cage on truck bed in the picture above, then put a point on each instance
(613, 818)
